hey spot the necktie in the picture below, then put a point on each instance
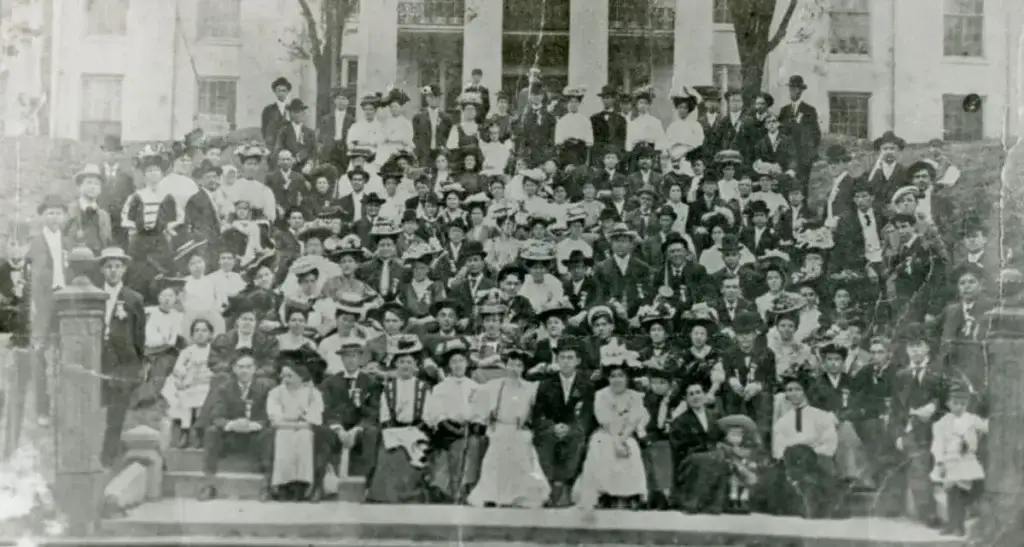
(867, 219)
(799, 418)
(385, 278)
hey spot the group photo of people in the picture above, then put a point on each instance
(522, 305)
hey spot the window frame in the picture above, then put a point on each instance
(232, 116)
(963, 19)
(204, 25)
(847, 12)
(95, 26)
(721, 7)
(833, 120)
(105, 125)
(952, 104)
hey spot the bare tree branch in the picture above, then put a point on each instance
(316, 43)
(780, 32)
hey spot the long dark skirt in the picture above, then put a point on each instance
(394, 479)
(702, 484)
(802, 483)
(150, 253)
(658, 462)
(455, 468)
(160, 366)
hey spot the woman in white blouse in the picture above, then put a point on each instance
(495, 151)
(644, 128)
(465, 134)
(396, 130)
(458, 431)
(685, 129)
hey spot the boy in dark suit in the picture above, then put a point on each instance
(89, 224)
(124, 339)
(296, 136)
(275, 115)
(759, 237)
(563, 414)
(235, 420)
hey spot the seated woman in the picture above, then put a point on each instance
(302, 445)
(399, 474)
(298, 333)
(234, 419)
(244, 336)
(802, 480)
(613, 471)
(188, 385)
(420, 293)
(163, 330)
(510, 475)
(458, 435)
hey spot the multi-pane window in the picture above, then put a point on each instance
(106, 17)
(960, 121)
(850, 27)
(849, 114)
(101, 107)
(727, 76)
(721, 12)
(218, 19)
(963, 28)
(218, 97)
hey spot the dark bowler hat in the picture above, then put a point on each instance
(282, 81)
(608, 91)
(797, 81)
(473, 248)
(297, 105)
(51, 201)
(578, 257)
(204, 167)
(889, 137)
(747, 321)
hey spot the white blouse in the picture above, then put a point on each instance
(574, 126)
(452, 399)
(686, 131)
(645, 128)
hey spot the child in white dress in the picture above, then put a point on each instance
(185, 390)
(955, 440)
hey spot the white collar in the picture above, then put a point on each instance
(109, 289)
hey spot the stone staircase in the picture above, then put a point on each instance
(155, 498)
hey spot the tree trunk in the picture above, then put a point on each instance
(752, 71)
(324, 85)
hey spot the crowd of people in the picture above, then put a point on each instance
(530, 306)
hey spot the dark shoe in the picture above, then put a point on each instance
(490, 505)
(207, 493)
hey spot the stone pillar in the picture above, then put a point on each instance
(588, 49)
(482, 43)
(79, 418)
(378, 24)
(693, 40)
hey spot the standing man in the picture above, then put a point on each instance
(275, 114)
(710, 115)
(523, 99)
(89, 224)
(296, 137)
(608, 125)
(124, 337)
(799, 120)
(536, 129)
(334, 131)
(117, 186)
(430, 126)
(888, 174)
(485, 94)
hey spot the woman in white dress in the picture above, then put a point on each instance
(510, 475)
(684, 130)
(396, 134)
(614, 466)
(302, 445)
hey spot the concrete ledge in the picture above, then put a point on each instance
(341, 522)
(242, 486)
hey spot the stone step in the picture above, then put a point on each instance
(241, 485)
(191, 459)
(344, 522)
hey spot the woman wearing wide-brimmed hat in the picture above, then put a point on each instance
(466, 133)
(685, 128)
(419, 293)
(147, 216)
(541, 286)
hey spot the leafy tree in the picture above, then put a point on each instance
(752, 20)
(319, 41)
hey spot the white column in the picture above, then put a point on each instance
(694, 33)
(481, 43)
(588, 49)
(378, 23)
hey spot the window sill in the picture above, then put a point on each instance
(236, 42)
(724, 27)
(976, 61)
(849, 58)
(105, 38)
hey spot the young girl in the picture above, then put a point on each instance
(185, 390)
(737, 449)
(199, 292)
(163, 330)
(955, 440)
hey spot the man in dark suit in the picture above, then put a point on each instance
(651, 249)
(201, 216)
(962, 326)
(731, 304)
(485, 94)
(692, 432)
(580, 288)
(858, 235)
(932, 201)
(709, 119)
(47, 259)
(750, 373)
(799, 122)
(234, 420)
(776, 147)
(759, 237)
(385, 272)
(888, 174)
(874, 388)
(351, 407)
(275, 115)
(89, 223)
(244, 338)
(118, 186)
(288, 185)
(563, 415)
(839, 202)
(919, 392)
(739, 130)
(609, 126)
(431, 126)
(124, 339)
(916, 272)
(295, 136)
(536, 136)
(463, 287)
(333, 129)
(623, 278)
(678, 271)
(645, 177)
